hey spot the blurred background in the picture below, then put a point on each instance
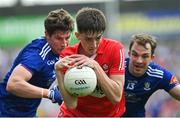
(22, 21)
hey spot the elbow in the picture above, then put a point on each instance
(117, 99)
(10, 87)
(72, 106)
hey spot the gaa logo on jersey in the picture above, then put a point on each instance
(147, 86)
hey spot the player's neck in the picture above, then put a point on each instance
(83, 52)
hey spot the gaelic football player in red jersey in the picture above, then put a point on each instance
(106, 57)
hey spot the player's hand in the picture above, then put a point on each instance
(54, 95)
(64, 62)
(82, 60)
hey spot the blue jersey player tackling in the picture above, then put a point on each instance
(143, 76)
(32, 72)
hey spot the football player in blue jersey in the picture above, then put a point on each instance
(32, 72)
(143, 76)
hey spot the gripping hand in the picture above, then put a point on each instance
(54, 95)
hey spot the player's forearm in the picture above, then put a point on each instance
(69, 100)
(26, 90)
(112, 89)
(175, 92)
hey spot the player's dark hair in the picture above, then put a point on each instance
(58, 20)
(143, 39)
(90, 20)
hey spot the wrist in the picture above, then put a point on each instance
(44, 93)
(58, 67)
(95, 65)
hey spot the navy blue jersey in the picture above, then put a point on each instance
(38, 58)
(138, 90)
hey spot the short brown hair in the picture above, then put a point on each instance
(143, 39)
(58, 19)
(90, 20)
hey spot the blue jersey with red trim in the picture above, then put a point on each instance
(138, 90)
(38, 58)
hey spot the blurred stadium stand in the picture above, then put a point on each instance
(22, 20)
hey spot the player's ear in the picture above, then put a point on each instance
(129, 53)
(153, 56)
(77, 34)
(46, 33)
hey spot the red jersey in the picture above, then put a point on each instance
(110, 56)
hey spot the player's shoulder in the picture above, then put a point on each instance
(112, 43)
(39, 43)
(156, 70)
(156, 66)
(38, 47)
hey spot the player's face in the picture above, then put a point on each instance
(140, 57)
(89, 42)
(58, 41)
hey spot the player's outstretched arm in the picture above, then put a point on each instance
(18, 85)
